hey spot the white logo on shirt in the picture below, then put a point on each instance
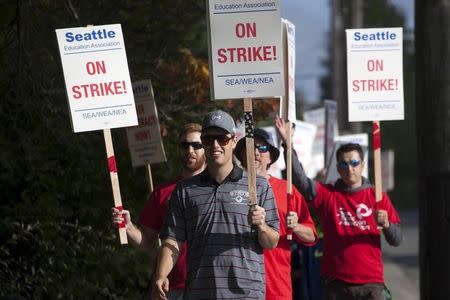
(239, 195)
(348, 219)
(362, 211)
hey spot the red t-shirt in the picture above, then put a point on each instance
(277, 262)
(352, 246)
(152, 216)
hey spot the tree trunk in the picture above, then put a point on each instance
(433, 137)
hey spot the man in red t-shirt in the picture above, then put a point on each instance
(352, 267)
(277, 261)
(152, 217)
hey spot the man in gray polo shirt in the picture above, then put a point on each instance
(210, 212)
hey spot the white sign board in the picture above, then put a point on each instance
(302, 143)
(144, 141)
(375, 74)
(317, 117)
(287, 108)
(97, 79)
(245, 52)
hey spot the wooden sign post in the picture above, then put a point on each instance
(376, 132)
(114, 181)
(289, 175)
(149, 178)
(250, 151)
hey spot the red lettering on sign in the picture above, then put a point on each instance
(99, 89)
(374, 65)
(95, 67)
(246, 30)
(147, 121)
(375, 85)
(247, 54)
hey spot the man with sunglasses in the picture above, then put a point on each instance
(277, 262)
(192, 156)
(351, 266)
(210, 211)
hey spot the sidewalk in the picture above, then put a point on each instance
(401, 264)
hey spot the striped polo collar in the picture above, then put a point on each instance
(234, 175)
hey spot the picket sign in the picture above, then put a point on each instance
(375, 82)
(144, 141)
(287, 107)
(98, 88)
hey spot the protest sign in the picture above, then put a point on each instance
(246, 56)
(144, 141)
(375, 74)
(98, 88)
(97, 78)
(375, 82)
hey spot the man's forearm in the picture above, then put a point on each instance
(142, 238)
(304, 233)
(267, 236)
(167, 257)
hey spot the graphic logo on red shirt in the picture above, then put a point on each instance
(348, 219)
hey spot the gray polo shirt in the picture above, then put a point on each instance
(224, 258)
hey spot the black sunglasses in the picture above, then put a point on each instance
(262, 148)
(222, 139)
(343, 165)
(195, 145)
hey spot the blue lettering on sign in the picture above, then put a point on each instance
(369, 107)
(377, 36)
(104, 113)
(249, 80)
(88, 36)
